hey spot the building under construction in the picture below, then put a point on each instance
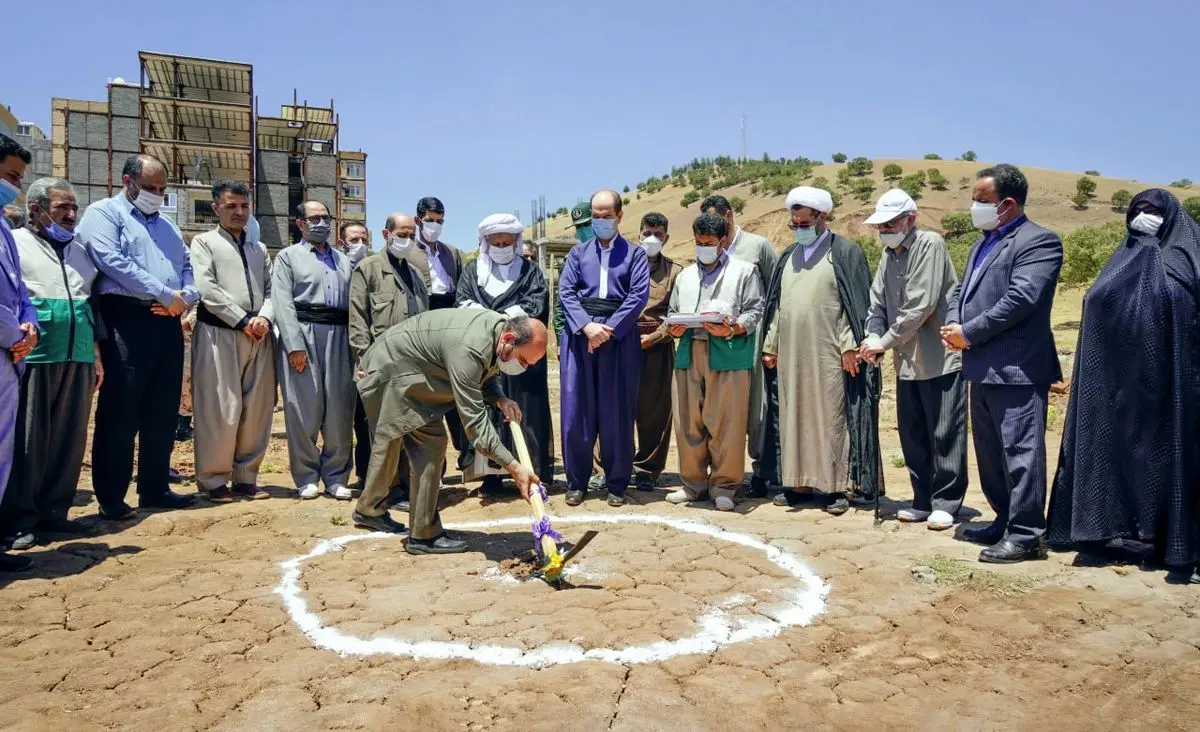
(201, 118)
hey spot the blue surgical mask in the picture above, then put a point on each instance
(806, 235)
(58, 233)
(8, 192)
(604, 228)
(583, 233)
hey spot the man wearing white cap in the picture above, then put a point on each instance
(910, 300)
(827, 431)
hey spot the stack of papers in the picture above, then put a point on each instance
(694, 320)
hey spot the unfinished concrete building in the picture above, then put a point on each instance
(352, 189)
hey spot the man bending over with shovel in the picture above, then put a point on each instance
(415, 373)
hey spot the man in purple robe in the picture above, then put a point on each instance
(603, 288)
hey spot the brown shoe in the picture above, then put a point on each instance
(249, 490)
(220, 495)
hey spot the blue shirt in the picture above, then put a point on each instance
(336, 296)
(989, 243)
(138, 256)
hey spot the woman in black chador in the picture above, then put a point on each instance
(1128, 471)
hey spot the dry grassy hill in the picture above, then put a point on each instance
(1049, 203)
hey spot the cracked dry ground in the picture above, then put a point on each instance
(173, 624)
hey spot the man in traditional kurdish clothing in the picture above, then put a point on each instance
(414, 373)
(910, 301)
(604, 288)
(233, 354)
(311, 287)
(764, 396)
(62, 371)
(501, 280)
(713, 366)
(827, 434)
(18, 324)
(441, 266)
(385, 289)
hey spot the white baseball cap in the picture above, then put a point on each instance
(892, 204)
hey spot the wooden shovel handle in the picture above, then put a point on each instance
(549, 548)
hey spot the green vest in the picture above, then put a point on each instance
(724, 354)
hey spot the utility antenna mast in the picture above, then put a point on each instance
(744, 156)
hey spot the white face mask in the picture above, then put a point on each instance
(707, 255)
(1146, 223)
(431, 231)
(502, 255)
(147, 202)
(893, 240)
(513, 366)
(985, 216)
(355, 252)
(399, 247)
(652, 245)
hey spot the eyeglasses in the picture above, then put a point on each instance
(317, 219)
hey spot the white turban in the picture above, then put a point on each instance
(495, 224)
(814, 198)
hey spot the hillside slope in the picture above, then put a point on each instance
(1049, 203)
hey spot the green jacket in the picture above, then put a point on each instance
(60, 288)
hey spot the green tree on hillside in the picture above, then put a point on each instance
(839, 157)
(892, 171)
(1192, 206)
(960, 250)
(1182, 183)
(844, 176)
(969, 156)
(937, 180)
(932, 156)
(821, 182)
(964, 183)
(872, 249)
(625, 189)
(863, 188)
(1081, 200)
(861, 166)
(1092, 172)
(912, 185)
(1120, 200)
(625, 201)
(1086, 186)
(957, 224)
(1086, 249)
(738, 204)
(689, 198)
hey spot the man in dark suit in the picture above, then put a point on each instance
(1000, 320)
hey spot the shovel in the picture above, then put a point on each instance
(545, 538)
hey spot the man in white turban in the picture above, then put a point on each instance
(825, 429)
(502, 279)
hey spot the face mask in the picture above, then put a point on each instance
(985, 216)
(430, 231)
(58, 233)
(806, 235)
(398, 246)
(356, 252)
(147, 202)
(8, 192)
(706, 255)
(605, 229)
(893, 240)
(652, 245)
(1146, 223)
(512, 367)
(502, 255)
(319, 233)
(583, 233)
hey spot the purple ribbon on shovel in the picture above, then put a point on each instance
(541, 529)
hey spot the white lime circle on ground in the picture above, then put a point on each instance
(716, 628)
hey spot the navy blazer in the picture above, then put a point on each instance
(1005, 310)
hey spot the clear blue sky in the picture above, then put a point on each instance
(487, 104)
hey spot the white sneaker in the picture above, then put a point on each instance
(310, 491)
(340, 492)
(912, 515)
(940, 521)
(724, 503)
(677, 497)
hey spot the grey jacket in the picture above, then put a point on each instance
(379, 299)
(233, 279)
(756, 250)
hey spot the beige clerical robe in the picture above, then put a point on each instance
(809, 335)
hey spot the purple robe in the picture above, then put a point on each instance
(600, 390)
(15, 308)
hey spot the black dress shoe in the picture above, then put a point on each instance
(173, 476)
(575, 497)
(120, 512)
(788, 497)
(9, 563)
(616, 500)
(644, 483)
(1006, 552)
(989, 535)
(836, 504)
(758, 488)
(168, 499)
(442, 544)
(382, 522)
(59, 525)
(184, 431)
(492, 485)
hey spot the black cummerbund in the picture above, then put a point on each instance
(307, 313)
(441, 302)
(204, 315)
(600, 307)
